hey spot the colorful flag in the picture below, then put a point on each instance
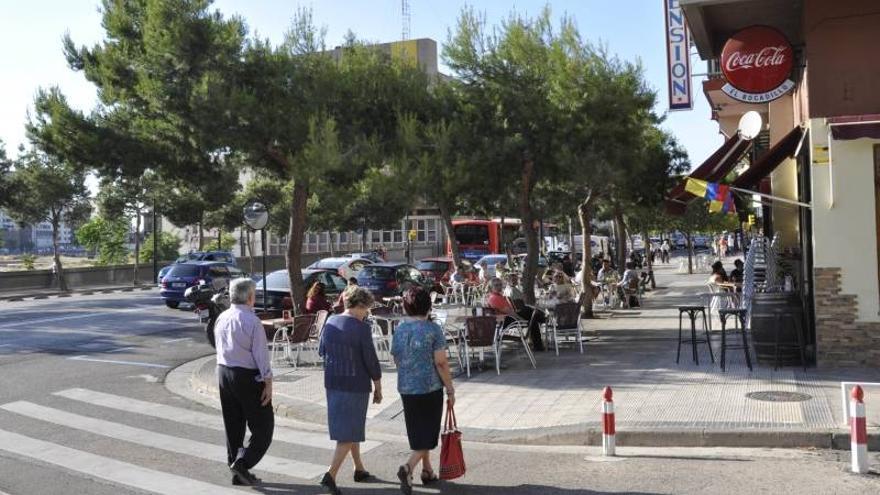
(696, 187)
(716, 206)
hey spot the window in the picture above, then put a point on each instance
(386, 236)
(375, 236)
(472, 234)
(184, 271)
(343, 237)
(398, 236)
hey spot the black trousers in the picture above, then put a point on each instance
(240, 401)
(535, 318)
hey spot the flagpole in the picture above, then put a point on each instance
(771, 197)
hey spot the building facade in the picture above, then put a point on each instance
(824, 152)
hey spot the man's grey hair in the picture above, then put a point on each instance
(355, 296)
(240, 290)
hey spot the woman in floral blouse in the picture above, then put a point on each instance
(419, 349)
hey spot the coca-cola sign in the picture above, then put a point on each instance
(757, 62)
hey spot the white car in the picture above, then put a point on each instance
(345, 267)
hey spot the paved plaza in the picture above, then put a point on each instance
(632, 351)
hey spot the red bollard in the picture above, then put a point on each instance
(858, 432)
(608, 432)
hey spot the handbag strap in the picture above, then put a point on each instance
(451, 423)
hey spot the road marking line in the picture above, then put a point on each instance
(175, 340)
(74, 317)
(195, 418)
(122, 349)
(147, 438)
(118, 472)
(111, 361)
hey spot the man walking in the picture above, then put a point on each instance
(245, 376)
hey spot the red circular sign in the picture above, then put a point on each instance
(757, 59)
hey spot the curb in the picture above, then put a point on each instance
(75, 292)
(190, 381)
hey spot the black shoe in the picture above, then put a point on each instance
(429, 477)
(362, 476)
(330, 484)
(245, 478)
(405, 477)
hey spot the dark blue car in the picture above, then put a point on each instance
(391, 279)
(184, 275)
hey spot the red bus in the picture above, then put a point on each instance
(477, 238)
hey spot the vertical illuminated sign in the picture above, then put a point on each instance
(678, 57)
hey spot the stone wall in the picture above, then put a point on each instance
(840, 339)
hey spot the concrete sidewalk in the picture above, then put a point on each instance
(657, 402)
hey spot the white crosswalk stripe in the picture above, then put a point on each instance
(195, 418)
(105, 468)
(147, 438)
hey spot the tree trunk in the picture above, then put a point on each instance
(201, 236)
(294, 244)
(620, 239)
(446, 216)
(525, 207)
(56, 256)
(137, 246)
(571, 238)
(690, 249)
(648, 253)
(584, 216)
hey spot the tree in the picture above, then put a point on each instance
(129, 198)
(331, 120)
(107, 237)
(46, 189)
(506, 80)
(169, 247)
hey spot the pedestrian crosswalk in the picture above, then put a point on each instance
(139, 477)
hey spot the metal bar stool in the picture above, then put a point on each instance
(739, 323)
(782, 315)
(692, 312)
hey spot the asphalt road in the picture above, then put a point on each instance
(83, 410)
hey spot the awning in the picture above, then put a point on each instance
(715, 168)
(855, 127)
(785, 148)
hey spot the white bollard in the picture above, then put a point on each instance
(858, 432)
(608, 432)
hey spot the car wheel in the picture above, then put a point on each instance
(172, 304)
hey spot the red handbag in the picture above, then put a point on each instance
(451, 455)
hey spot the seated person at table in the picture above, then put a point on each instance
(512, 290)
(630, 280)
(339, 305)
(718, 276)
(561, 289)
(607, 275)
(458, 276)
(316, 299)
(736, 275)
(503, 306)
(483, 271)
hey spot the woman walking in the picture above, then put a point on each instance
(419, 349)
(350, 364)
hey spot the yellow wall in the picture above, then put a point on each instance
(783, 180)
(844, 233)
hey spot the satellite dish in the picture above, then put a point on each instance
(256, 216)
(750, 125)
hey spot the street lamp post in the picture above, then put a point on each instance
(256, 216)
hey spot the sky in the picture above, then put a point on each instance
(30, 45)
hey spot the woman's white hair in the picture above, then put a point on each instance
(240, 290)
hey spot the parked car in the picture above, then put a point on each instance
(345, 267)
(372, 256)
(223, 256)
(278, 287)
(181, 276)
(491, 260)
(391, 279)
(436, 269)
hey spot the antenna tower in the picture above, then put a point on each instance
(405, 17)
